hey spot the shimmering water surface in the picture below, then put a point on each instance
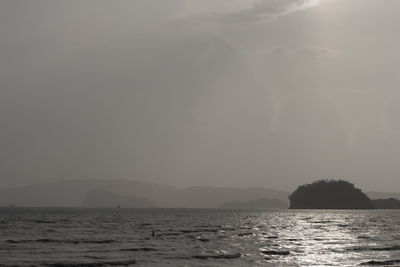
(201, 237)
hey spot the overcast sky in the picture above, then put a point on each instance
(241, 93)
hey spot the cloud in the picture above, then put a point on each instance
(264, 10)
(242, 11)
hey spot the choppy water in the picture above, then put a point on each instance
(187, 237)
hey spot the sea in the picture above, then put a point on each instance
(59, 237)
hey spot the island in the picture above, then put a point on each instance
(389, 203)
(329, 194)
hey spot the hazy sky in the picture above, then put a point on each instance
(201, 92)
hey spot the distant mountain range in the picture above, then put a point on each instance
(107, 199)
(128, 193)
(262, 203)
(382, 195)
(75, 193)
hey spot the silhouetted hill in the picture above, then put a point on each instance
(329, 194)
(70, 193)
(382, 195)
(389, 203)
(261, 203)
(108, 199)
(211, 197)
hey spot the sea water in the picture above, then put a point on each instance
(197, 237)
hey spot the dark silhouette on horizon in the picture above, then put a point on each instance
(108, 199)
(329, 194)
(389, 203)
(74, 193)
(261, 203)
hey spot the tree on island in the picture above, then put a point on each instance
(329, 194)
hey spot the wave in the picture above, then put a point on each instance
(209, 225)
(43, 221)
(227, 229)
(47, 240)
(276, 252)
(390, 248)
(199, 231)
(245, 234)
(91, 264)
(145, 224)
(218, 256)
(322, 222)
(382, 263)
(172, 233)
(363, 237)
(397, 247)
(138, 249)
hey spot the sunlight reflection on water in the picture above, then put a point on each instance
(187, 237)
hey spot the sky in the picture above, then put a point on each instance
(243, 93)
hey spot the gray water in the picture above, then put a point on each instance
(197, 237)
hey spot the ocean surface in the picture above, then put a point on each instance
(197, 237)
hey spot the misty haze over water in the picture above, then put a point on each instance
(155, 133)
(269, 93)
